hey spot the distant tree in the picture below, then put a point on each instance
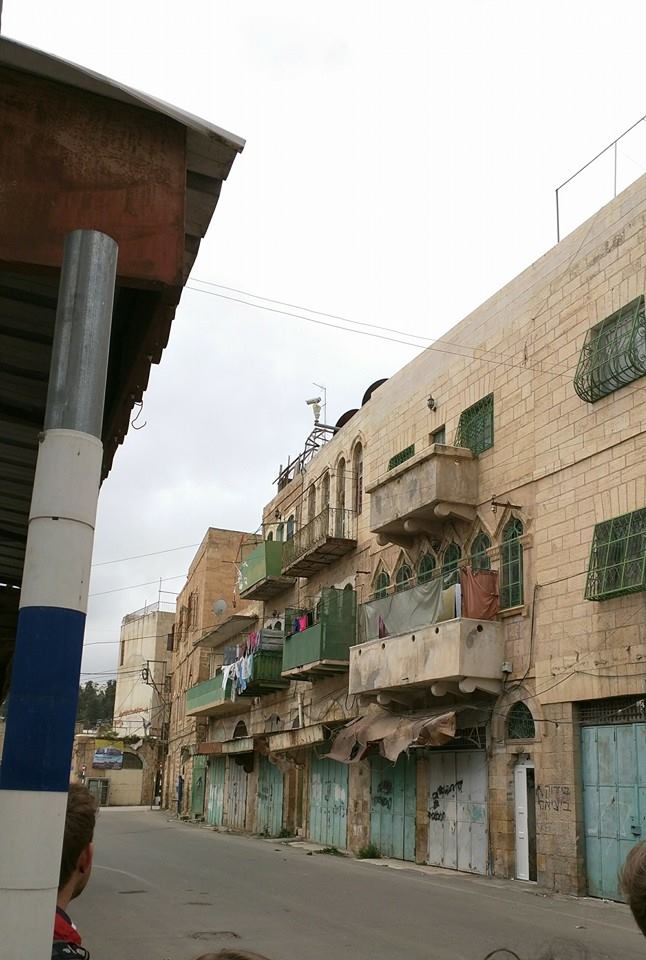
(107, 707)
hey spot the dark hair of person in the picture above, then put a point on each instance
(633, 883)
(79, 829)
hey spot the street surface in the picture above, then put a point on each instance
(163, 890)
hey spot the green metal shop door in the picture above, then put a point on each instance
(215, 807)
(199, 786)
(270, 799)
(329, 802)
(393, 806)
(614, 800)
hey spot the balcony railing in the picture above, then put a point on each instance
(419, 494)
(260, 576)
(320, 542)
(211, 698)
(323, 648)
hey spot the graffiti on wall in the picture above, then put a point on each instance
(553, 798)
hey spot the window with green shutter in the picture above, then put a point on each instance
(450, 564)
(613, 353)
(511, 565)
(381, 585)
(480, 559)
(618, 557)
(475, 427)
(426, 568)
(403, 578)
(401, 457)
(520, 723)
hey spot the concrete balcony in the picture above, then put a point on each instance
(260, 576)
(210, 698)
(324, 648)
(420, 494)
(320, 542)
(453, 656)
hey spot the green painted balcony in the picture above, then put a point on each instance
(324, 648)
(209, 698)
(260, 576)
(320, 542)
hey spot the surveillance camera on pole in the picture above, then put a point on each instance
(315, 404)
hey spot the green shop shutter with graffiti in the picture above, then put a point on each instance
(393, 806)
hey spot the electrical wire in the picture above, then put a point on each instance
(142, 556)
(134, 586)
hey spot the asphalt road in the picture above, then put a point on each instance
(163, 890)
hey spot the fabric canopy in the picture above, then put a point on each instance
(394, 733)
(408, 610)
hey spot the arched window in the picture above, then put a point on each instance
(280, 532)
(270, 535)
(450, 561)
(479, 557)
(311, 503)
(511, 565)
(520, 723)
(426, 568)
(325, 491)
(340, 485)
(381, 585)
(357, 479)
(240, 730)
(403, 578)
(290, 526)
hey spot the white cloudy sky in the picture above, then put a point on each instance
(400, 167)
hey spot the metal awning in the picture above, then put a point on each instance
(234, 625)
(238, 745)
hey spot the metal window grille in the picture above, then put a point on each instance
(613, 354)
(401, 457)
(511, 566)
(358, 484)
(475, 427)
(381, 586)
(450, 563)
(626, 709)
(520, 723)
(403, 578)
(617, 557)
(480, 559)
(439, 435)
(426, 568)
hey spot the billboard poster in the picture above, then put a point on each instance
(108, 755)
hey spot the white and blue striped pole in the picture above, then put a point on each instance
(43, 695)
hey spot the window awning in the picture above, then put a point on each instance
(394, 733)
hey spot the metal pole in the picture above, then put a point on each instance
(615, 168)
(35, 771)
(558, 225)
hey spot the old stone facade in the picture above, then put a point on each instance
(141, 695)
(211, 577)
(507, 448)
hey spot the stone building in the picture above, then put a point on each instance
(207, 596)
(459, 567)
(142, 692)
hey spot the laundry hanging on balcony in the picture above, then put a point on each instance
(410, 610)
(480, 597)
(393, 733)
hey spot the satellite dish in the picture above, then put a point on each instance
(219, 606)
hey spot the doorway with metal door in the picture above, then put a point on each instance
(237, 793)
(198, 792)
(458, 832)
(328, 802)
(215, 805)
(393, 806)
(270, 799)
(525, 820)
(614, 800)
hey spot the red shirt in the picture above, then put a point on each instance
(67, 939)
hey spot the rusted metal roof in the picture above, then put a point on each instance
(142, 317)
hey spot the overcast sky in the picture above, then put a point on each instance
(400, 167)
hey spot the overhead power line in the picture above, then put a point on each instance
(141, 556)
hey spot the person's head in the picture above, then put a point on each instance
(76, 858)
(633, 883)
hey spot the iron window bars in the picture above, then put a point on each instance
(475, 427)
(613, 353)
(401, 457)
(511, 566)
(617, 557)
(520, 723)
